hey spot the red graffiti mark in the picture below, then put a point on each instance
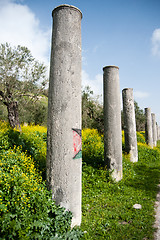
(77, 142)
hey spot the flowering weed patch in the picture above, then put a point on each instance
(35, 138)
(140, 137)
(27, 210)
(4, 144)
(92, 147)
(32, 139)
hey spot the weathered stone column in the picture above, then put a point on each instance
(112, 121)
(154, 129)
(130, 124)
(157, 130)
(148, 127)
(64, 161)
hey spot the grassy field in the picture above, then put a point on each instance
(107, 206)
(108, 211)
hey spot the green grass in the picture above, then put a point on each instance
(107, 206)
(108, 211)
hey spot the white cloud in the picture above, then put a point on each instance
(19, 26)
(139, 94)
(156, 42)
(96, 84)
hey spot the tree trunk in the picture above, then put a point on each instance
(13, 115)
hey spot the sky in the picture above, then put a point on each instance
(125, 33)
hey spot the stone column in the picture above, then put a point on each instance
(64, 156)
(130, 124)
(154, 129)
(157, 129)
(159, 133)
(148, 127)
(112, 121)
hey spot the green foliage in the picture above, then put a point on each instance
(93, 147)
(20, 72)
(26, 207)
(140, 117)
(34, 142)
(35, 112)
(142, 133)
(108, 211)
(27, 210)
(4, 141)
(140, 137)
(32, 113)
(32, 139)
(92, 111)
(3, 113)
(107, 206)
(22, 79)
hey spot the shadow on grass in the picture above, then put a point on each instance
(96, 163)
(146, 178)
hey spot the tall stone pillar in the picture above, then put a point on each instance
(64, 156)
(159, 133)
(148, 127)
(154, 129)
(157, 130)
(130, 124)
(112, 121)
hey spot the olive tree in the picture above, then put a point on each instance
(92, 111)
(22, 78)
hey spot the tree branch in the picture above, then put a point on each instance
(26, 95)
(2, 94)
(3, 98)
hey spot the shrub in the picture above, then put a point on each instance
(92, 147)
(32, 139)
(26, 207)
(140, 137)
(4, 144)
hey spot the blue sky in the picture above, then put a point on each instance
(125, 33)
